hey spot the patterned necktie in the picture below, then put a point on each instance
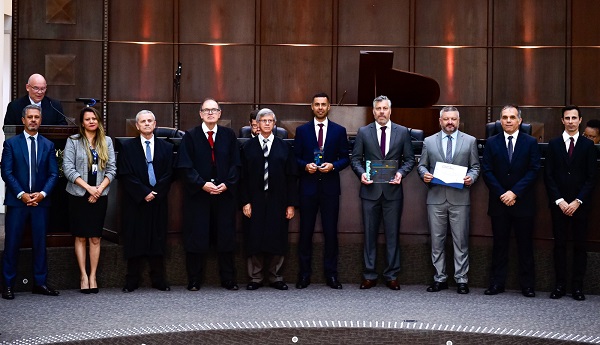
(211, 142)
(510, 148)
(449, 149)
(382, 144)
(266, 171)
(571, 147)
(151, 176)
(32, 165)
(320, 140)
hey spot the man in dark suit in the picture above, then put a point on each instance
(209, 157)
(321, 148)
(269, 195)
(570, 176)
(30, 172)
(145, 170)
(253, 129)
(382, 140)
(36, 94)
(511, 161)
(447, 205)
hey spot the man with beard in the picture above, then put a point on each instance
(449, 205)
(382, 140)
(321, 148)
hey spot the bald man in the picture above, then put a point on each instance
(36, 94)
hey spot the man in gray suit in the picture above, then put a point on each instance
(382, 140)
(449, 205)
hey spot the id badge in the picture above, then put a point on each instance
(94, 169)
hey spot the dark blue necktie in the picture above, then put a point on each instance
(510, 148)
(33, 164)
(151, 176)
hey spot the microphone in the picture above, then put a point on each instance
(178, 72)
(60, 112)
(342, 98)
(90, 102)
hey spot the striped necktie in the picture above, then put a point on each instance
(266, 171)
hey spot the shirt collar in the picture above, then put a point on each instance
(269, 138)
(514, 135)
(32, 102)
(151, 140)
(27, 135)
(566, 136)
(205, 128)
(388, 125)
(325, 122)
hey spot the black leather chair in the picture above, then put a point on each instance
(416, 134)
(246, 130)
(168, 132)
(494, 128)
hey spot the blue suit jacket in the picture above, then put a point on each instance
(15, 169)
(335, 151)
(518, 176)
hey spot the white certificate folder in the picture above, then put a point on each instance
(449, 175)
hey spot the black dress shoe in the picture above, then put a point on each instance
(334, 283)
(558, 292)
(161, 287)
(7, 293)
(303, 283)
(230, 285)
(253, 285)
(462, 288)
(577, 295)
(45, 290)
(94, 290)
(128, 289)
(279, 285)
(528, 292)
(85, 291)
(193, 286)
(494, 290)
(437, 286)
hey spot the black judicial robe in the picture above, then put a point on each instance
(268, 230)
(194, 160)
(145, 223)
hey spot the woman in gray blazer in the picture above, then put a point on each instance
(89, 166)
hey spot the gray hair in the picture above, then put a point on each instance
(142, 112)
(449, 109)
(264, 112)
(381, 99)
(31, 106)
(513, 106)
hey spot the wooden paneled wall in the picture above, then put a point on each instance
(541, 54)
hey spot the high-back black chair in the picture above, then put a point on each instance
(416, 134)
(168, 132)
(494, 128)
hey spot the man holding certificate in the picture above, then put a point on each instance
(382, 143)
(449, 165)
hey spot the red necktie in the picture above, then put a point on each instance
(320, 140)
(211, 142)
(382, 144)
(571, 147)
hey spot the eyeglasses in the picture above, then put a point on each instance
(266, 121)
(38, 89)
(211, 111)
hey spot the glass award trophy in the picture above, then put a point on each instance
(382, 171)
(319, 157)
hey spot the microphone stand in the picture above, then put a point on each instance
(176, 92)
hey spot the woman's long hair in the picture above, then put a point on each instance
(99, 141)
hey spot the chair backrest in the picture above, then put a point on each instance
(416, 134)
(168, 132)
(245, 132)
(494, 128)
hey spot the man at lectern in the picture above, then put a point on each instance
(36, 94)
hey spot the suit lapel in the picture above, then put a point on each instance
(373, 130)
(23, 147)
(438, 144)
(459, 144)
